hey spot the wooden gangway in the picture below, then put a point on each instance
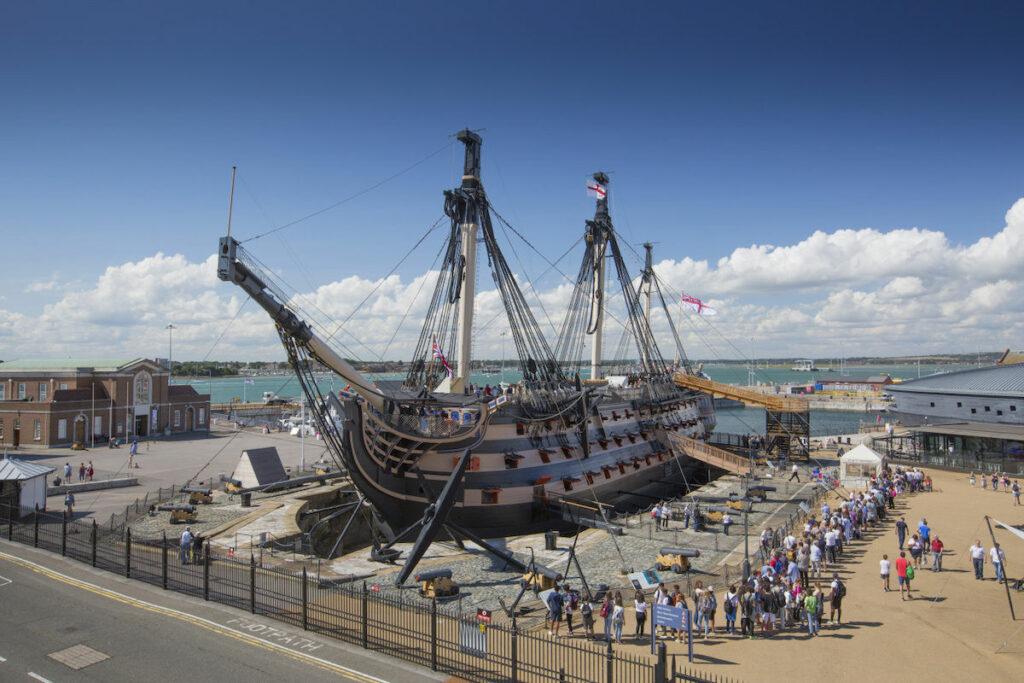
(744, 395)
(787, 420)
(717, 457)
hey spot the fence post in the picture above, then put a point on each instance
(10, 518)
(366, 634)
(305, 601)
(92, 541)
(128, 552)
(206, 571)
(35, 533)
(64, 534)
(163, 561)
(609, 664)
(252, 583)
(515, 652)
(661, 666)
(433, 634)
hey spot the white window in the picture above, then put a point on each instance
(62, 429)
(202, 415)
(3, 392)
(142, 388)
(21, 391)
(97, 425)
(177, 418)
(63, 386)
(42, 391)
(37, 430)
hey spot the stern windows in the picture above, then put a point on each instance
(489, 496)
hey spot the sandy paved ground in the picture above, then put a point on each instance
(166, 461)
(955, 629)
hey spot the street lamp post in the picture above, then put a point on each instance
(170, 350)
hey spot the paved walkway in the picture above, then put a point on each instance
(166, 461)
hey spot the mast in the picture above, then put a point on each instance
(597, 230)
(645, 291)
(471, 186)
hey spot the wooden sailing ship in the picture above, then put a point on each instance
(432, 453)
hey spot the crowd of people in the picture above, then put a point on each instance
(791, 584)
(997, 479)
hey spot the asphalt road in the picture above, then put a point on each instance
(49, 604)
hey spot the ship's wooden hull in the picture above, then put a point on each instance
(519, 471)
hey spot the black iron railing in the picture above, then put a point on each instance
(424, 634)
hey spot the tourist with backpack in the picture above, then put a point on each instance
(836, 599)
(606, 614)
(572, 605)
(707, 608)
(730, 605)
(587, 611)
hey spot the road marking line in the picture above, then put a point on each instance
(351, 674)
(33, 674)
(4, 581)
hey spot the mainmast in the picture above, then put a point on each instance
(597, 232)
(468, 224)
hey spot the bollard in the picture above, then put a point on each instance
(661, 666)
(610, 664)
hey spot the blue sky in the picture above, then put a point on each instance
(726, 127)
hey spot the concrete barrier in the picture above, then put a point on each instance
(92, 486)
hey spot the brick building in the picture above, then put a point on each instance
(47, 403)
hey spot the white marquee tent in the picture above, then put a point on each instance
(858, 466)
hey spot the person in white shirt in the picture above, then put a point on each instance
(789, 541)
(997, 556)
(885, 565)
(815, 560)
(977, 552)
(796, 473)
(726, 523)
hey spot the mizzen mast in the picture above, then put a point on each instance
(597, 232)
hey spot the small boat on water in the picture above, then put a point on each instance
(804, 366)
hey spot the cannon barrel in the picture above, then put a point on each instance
(434, 574)
(545, 571)
(682, 552)
(177, 508)
(205, 492)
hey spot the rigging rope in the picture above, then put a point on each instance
(352, 196)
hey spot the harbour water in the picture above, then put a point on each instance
(737, 420)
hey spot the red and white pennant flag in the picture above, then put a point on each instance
(697, 306)
(596, 189)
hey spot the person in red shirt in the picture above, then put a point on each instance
(936, 555)
(901, 573)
